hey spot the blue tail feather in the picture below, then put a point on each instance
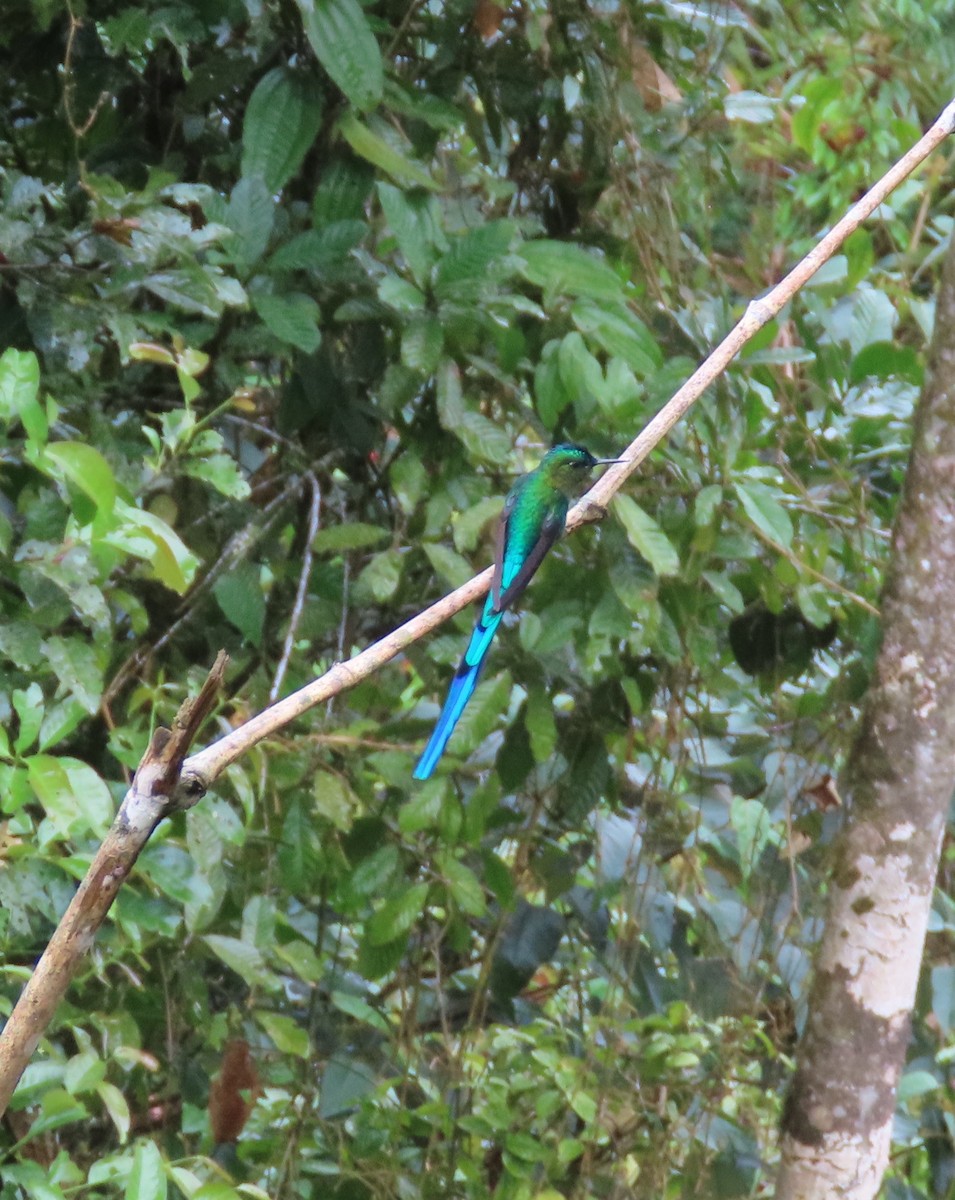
(461, 691)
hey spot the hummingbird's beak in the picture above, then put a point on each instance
(608, 462)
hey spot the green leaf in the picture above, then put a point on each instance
(399, 294)
(584, 1105)
(483, 439)
(562, 267)
(396, 916)
(454, 569)
(423, 809)
(149, 537)
(373, 873)
(708, 500)
(84, 1072)
(412, 223)
(378, 150)
(240, 597)
(345, 187)
(752, 107)
(754, 830)
(580, 371)
(471, 257)
(198, 288)
(287, 1035)
(725, 591)
(550, 392)
(243, 958)
(282, 119)
(73, 796)
(147, 1179)
(345, 1080)
(813, 605)
(334, 799)
(250, 216)
(59, 721)
(361, 1010)
(917, 1083)
(540, 724)
(115, 1104)
(470, 524)
(422, 343)
(296, 854)
(355, 535)
(818, 94)
(766, 513)
(19, 392)
(318, 249)
(646, 536)
(28, 705)
(620, 333)
(344, 44)
(20, 642)
(293, 317)
(58, 1108)
(483, 712)
(382, 575)
(463, 884)
(76, 665)
(85, 467)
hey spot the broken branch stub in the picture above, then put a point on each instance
(160, 787)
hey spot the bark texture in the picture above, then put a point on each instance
(837, 1122)
(160, 787)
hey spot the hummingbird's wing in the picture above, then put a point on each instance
(551, 528)
(500, 550)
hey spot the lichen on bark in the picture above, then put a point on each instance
(837, 1121)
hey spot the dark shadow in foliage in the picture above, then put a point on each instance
(530, 939)
(776, 646)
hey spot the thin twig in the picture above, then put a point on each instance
(343, 620)
(69, 86)
(798, 563)
(314, 511)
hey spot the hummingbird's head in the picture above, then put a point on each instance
(567, 467)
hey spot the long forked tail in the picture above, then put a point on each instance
(462, 689)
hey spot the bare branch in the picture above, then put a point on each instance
(314, 510)
(209, 763)
(158, 789)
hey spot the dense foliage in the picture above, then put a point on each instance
(288, 295)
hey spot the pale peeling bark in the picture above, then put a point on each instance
(837, 1123)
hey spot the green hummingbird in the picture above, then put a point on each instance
(532, 520)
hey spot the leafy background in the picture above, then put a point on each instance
(289, 293)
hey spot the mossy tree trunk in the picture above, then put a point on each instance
(838, 1117)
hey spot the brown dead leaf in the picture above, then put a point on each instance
(233, 1092)
(824, 794)
(655, 86)
(488, 16)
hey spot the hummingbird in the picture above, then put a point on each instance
(532, 520)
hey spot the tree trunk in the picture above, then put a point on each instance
(837, 1123)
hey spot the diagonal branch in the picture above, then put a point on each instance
(208, 764)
